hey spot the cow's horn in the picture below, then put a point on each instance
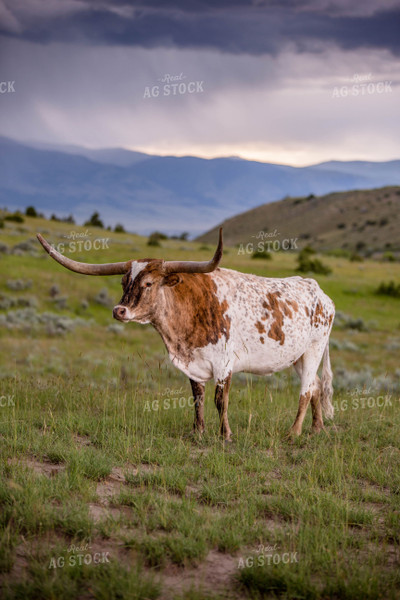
(87, 269)
(194, 266)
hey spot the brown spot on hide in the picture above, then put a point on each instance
(260, 327)
(276, 307)
(261, 339)
(320, 317)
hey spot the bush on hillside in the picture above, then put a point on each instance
(31, 211)
(262, 254)
(389, 289)
(15, 217)
(155, 237)
(94, 221)
(306, 264)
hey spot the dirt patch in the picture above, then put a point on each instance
(369, 485)
(41, 467)
(117, 474)
(81, 440)
(196, 452)
(98, 512)
(215, 574)
(192, 491)
(111, 486)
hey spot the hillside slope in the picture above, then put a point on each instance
(349, 220)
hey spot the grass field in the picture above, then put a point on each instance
(104, 492)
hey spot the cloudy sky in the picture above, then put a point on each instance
(266, 80)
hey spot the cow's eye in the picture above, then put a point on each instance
(148, 284)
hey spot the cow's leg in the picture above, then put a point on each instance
(221, 402)
(307, 367)
(198, 397)
(317, 421)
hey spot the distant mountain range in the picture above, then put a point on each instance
(167, 193)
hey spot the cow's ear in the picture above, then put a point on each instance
(171, 279)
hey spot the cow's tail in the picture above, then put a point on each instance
(326, 384)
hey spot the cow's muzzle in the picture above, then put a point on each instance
(119, 313)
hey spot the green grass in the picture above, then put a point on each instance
(84, 458)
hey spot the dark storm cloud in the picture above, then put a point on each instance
(234, 26)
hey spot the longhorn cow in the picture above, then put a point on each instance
(215, 322)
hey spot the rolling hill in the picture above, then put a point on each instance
(355, 220)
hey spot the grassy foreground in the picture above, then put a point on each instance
(105, 494)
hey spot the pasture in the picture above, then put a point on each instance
(106, 494)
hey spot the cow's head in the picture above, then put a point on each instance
(143, 279)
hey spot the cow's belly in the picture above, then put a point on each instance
(249, 355)
(199, 369)
(266, 360)
(267, 349)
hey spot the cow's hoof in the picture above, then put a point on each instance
(292, 434)
(195, 434)
(318, 428)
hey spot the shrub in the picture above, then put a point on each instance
(155, 237)
(19, 284)
(388, 256)
(263, 254)
(389, 289)
(344, 321)
(153, 241)
(23, 247)
(16, 217)
(355, 257)
(306, 264)
(54, 290)
(94, 221)
(31, 211)
(307, 250)
(30, 320)
(103, 298)
(119, 228)
(159, 235)
(338, 253)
